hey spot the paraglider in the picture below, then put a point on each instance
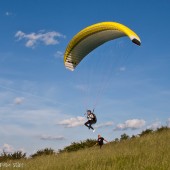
(92, 37)
(89, 39)
(91, 120)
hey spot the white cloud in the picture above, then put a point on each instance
(32, 39)
(122, 69)
(18, 100)
(73, 122)
(8, 13)
(168, 122)
(131, 124)
(22, 150)
(104, 124)
(7, 148)
(47, 137)
(154, 125)
(59, 54)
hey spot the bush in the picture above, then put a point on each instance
(75, 146)
(46, 151)
(124, 137)
(162, 129)
(146, 132)
(12, 156)
(116, 140)
(133, 136)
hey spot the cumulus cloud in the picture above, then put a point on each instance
(32, 39)
(106, 124)
(122, 69)
(168, 122)
(18, 100)
(73, 122)
(154, 125)
(8, 13)
(59, 54)
(7, 148)
(131, 124)
(46, 137)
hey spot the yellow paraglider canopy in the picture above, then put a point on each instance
(93, 36)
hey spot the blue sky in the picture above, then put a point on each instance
(42, 104)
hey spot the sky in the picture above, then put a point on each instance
(42, 104)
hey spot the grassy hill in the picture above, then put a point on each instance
(148, 152)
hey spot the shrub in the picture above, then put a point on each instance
(146, 132)
(12, 156)
(116, 140)
(75, 146)
(46, 151)
(124, 137)
(162, 128)
(133, 136)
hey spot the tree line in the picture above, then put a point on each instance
(74, 146)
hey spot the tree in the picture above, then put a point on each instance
(46, 151)
(124, 137)
(75, 146)
(133, 136)
(12, 156)
(162, 129)
(146, 132)
(18, 155)
(116, 140)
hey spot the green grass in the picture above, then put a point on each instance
(150, 152)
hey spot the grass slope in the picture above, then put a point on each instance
(150, 152)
